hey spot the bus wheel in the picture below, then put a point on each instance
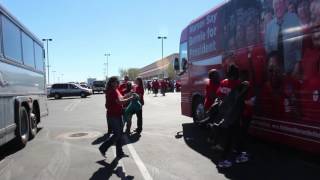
(22, 131)
(57, 96)
(198, 110)
(33, 125)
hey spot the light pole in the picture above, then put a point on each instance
(62, 78)
(107, 55)
(54, 76)
(162, 38)
(48, 65)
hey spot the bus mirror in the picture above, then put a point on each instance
(176, 64)
(184, 64)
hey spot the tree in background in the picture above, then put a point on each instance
(131, 72)
(171, 72)
(123, 72)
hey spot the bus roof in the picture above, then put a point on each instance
(208, 12)
(5, 12)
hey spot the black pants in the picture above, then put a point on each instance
(116, 138)
(109, 126)
(242, 135)
(139, 122)
(228, 136)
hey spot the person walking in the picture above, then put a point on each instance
(114, 102)
(155, 87)
(138, 89)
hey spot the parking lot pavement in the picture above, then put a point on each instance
(170, 147)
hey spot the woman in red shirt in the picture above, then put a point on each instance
(138, 89)
(114, 102)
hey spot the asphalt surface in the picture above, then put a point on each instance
(170, 147)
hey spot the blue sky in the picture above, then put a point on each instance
(83, 32)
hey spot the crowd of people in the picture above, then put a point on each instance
(228, 104)
(162, 85)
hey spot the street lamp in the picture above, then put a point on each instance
(54, 76)
(162, 38)
(107, 55)
(48, 66)
(62, 78)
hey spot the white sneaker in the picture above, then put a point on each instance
(224, 164)
(242, 158)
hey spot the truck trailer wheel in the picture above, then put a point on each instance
(198, 111)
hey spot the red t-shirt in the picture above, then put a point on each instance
(155, 84)
(123, 87)
(114, 109)
(211, 89)
(226, 86)
(140, 91)
(163, 84)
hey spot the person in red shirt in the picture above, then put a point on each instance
(114, 106)
(163, 87)
(211, 88)
(155, 87)
(123, 86)
(231, 82)
(245, 119)
(138, 89)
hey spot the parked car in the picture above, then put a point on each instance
(68, 89)
(98, 86)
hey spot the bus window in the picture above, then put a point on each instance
(38, 53)
(183, 53)
(11, 40)
(27, 51)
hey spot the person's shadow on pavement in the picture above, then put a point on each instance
(101, 139)
(107, 170)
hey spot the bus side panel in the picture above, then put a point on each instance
(20, 81)
(7, 123)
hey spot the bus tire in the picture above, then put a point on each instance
(198, 111)
(33, 124)
(22, 130)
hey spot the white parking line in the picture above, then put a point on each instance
(143, 170)
(72, 106)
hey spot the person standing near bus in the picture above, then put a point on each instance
(114, 105)
(245, 121)
(211, 88)
(226, 87)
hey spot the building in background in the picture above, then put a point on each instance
(160, 68)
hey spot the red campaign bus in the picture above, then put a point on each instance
(278, 44)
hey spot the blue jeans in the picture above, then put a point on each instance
(117, 129)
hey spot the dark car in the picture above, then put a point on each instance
(98, 86)
(68, 89)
